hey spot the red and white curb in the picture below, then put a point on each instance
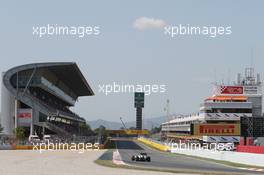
(117, 158)
(253, 169)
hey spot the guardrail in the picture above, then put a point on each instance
(251, 149)
(154, 144)
(229, 156)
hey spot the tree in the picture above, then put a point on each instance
(101, 128)
(155, 130)
(85, 126)
(1, 128)
(102, 133)
(20, 133)
(85, 129)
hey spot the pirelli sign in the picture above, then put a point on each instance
(215, 129)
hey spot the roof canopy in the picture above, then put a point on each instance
(227, 98)
(71, 75)
(67, 72)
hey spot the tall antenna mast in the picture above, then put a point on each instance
(228, 76)
(215, 80)
(167, 109)
(251, 57)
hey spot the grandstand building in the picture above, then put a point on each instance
(38, 98)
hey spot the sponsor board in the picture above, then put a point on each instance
(250, 90)
(134, 132)
(232, 90)
(24, 116)
(216, 129)
(236, 90)
(129, 132)
(222, 139)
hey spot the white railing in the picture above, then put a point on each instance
(185, 127)
(225, 116)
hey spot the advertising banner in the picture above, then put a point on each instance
(216, 129)
(232, 90)
(24, 116)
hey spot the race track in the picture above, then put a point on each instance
(162, 160)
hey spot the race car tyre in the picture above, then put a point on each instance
(148, 159)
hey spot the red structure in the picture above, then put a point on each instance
(251, 149)
(249, 141)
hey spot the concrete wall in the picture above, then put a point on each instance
(230, 156)
(7, 110)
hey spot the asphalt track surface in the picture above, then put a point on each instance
(161, 160)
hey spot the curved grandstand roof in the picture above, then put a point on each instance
(68, 72)
(49, 89)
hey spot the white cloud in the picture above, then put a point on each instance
(148, 23)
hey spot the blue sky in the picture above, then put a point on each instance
(187, 65)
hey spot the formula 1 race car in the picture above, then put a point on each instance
(141, 157)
